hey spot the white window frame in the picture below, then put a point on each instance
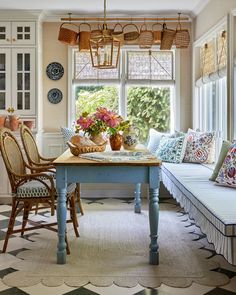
(123, 83)
(204, 100)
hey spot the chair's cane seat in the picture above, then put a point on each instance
(34, 188)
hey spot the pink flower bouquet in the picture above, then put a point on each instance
(103, 120)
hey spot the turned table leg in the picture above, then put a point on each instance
(137, 200)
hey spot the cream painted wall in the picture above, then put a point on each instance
(54, 115)
(214, 11)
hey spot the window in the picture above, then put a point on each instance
(89, 98)
(211, 88)
(212, 100)
(140, 89)
(149, 107)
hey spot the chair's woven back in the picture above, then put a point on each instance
(29, 144)
(12, 156)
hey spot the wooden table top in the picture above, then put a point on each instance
(67, 159)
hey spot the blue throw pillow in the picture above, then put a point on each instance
(172, 149)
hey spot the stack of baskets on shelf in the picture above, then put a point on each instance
(73, 34)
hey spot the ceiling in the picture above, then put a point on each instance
(95, 7)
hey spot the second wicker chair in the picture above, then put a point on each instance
(36, 160)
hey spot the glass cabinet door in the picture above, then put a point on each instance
(5, 33)
(23, 33)
(23, 91)
(5, 69)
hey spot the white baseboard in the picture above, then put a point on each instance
(4, 199)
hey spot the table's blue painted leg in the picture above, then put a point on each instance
(61, 185)
(61, 220)
(137, 200)
(154, 215)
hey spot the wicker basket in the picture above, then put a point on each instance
(84, 37)
(145, 37)
(96, 34)
(156, 34)
(167, 38)
(68, 36)
(77, 150)
(182, 37)
(118, 35)
(131, 37)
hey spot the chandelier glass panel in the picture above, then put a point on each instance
(104, 48)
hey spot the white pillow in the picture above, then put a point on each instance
(154, 138)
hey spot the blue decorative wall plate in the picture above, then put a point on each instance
(55, 95)
(55, 71)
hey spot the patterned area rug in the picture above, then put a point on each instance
(113, 248)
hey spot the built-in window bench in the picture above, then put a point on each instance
(212, 207)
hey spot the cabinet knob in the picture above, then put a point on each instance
(8, 40)
(10, 110)
(13, 39)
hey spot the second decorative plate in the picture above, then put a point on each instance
(55, 71)
(55, 95)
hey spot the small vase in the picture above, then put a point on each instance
(29, 124)
(116, 141)
(13, 122)
(130, 138)
(2, 121)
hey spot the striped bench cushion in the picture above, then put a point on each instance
(216, 203)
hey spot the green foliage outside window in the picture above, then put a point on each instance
(147, 107)
(89, 98)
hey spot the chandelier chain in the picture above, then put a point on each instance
(105, 12)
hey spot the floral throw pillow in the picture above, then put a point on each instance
(200, 147)
(227, 173)
(171, 149)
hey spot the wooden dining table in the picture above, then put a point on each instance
(73, 169)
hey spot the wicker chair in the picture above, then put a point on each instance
(36, 160)
(29, 189)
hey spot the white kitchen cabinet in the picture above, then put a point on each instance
(17, 80)
(17, 33)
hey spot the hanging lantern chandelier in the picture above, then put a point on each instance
(104, 49)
